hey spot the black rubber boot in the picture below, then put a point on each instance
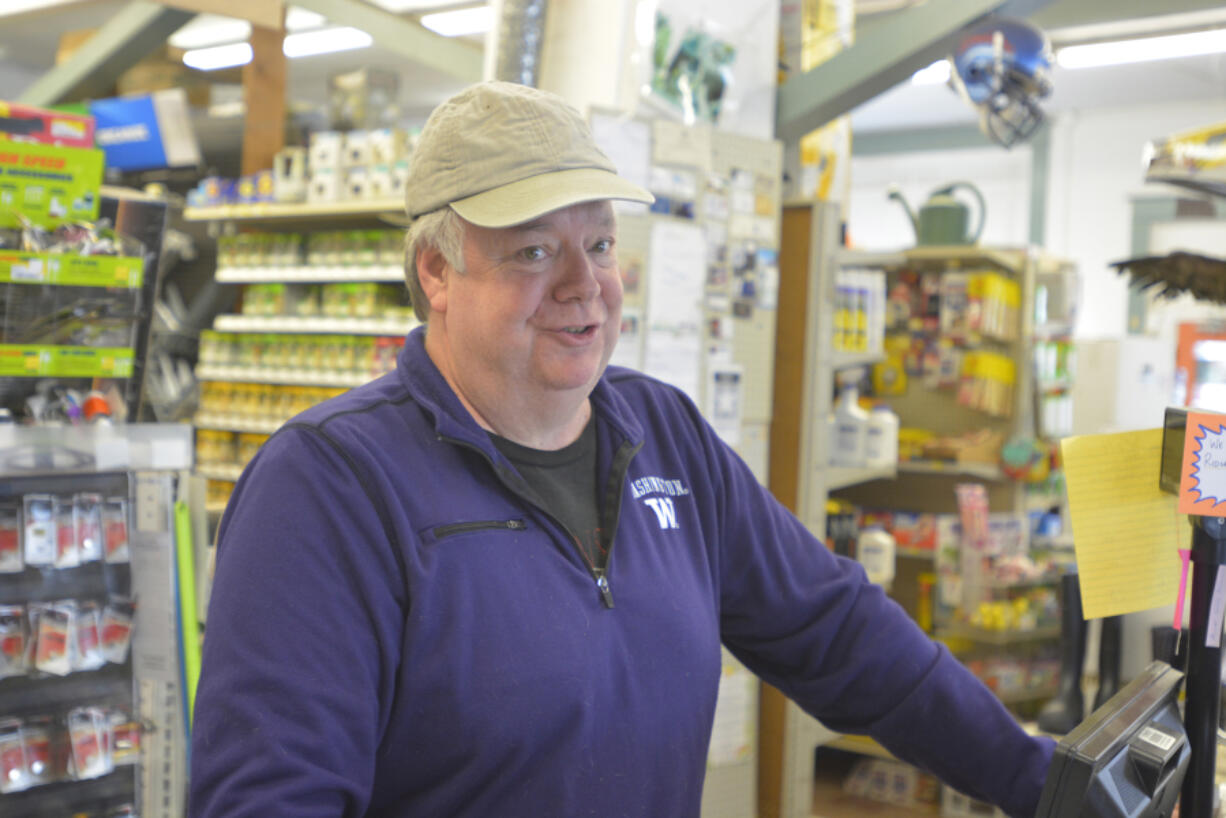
(1109, 656)
(1066, 710)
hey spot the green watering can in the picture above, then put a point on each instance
(943, 219)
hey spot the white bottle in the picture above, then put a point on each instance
(881, 437)
(875, 551)
(848, 430)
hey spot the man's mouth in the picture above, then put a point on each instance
(579, 330)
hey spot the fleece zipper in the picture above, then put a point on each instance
(610, 509)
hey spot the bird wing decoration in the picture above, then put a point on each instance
(1179, 272)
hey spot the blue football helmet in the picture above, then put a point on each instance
(1003, 67)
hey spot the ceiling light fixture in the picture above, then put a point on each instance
(460, 22)
(1145, 49)
(325, 41)
(216, 57)
(936, 74)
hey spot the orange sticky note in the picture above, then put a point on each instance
(1202, 478)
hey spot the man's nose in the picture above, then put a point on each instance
(579, 281)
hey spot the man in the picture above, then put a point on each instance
(495, 581)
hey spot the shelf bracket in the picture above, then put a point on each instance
(884, 54)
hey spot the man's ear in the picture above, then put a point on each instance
(432, 272)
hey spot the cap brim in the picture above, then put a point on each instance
(535, 196)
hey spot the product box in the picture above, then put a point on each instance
(48, 184)
(24, 123)
(324, 151)
(357, 151)
(325, 185)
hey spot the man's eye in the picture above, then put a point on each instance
(532, 253)
(602, 246)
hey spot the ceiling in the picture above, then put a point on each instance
(28, 44)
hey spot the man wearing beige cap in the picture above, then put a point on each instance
(495, 582)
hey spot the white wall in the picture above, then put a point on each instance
(1003, 177)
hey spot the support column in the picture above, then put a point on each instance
(264, 93)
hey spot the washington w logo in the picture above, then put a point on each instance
(663, 506)
(665, 511)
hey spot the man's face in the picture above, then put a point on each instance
(538, 308)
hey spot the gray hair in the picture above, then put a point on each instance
(443, 230)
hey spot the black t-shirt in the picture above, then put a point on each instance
(565, 481)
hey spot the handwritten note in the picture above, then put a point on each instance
(1125, 530)
(1202, 480)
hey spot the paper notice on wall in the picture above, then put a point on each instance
(629, 349)
(674, 143)
(627, 143)
(676, 267)
(732, 731)
(724, 383)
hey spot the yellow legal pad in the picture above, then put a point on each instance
(1126, 532)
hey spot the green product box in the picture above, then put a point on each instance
(32, 360)
(68, 269)
(48, 184)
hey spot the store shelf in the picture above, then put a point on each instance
(308, 274)
(228, 472)
(250, 374)
(230, 423)
(40, 361)
(981, 471)
(71, 270)
(987, 637)
(314, 324)
(275, 211)
(845, 360)
(839, 477)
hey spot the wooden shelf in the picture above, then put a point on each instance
(321, 324)
(276, 211)
(839, 477)
(983, 471)
(308, 273)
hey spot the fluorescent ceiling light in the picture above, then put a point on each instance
(21, 6)
(218, 56)
(205, 30)
(1146, 49)
(298, 19)
(461, 22)
(325, 41)
(935, 74)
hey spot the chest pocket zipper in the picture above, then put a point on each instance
(481, 525)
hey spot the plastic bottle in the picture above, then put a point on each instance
(848, 429)
(881, 437)
(875, 551)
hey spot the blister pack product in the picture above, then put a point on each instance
(53, 654)
(38, 514)
(88, 654)
(12, 641)
(11, 559)
(89, 740)
(116, 631)
(34, 615)
(87, 521)
(125, 739)
(38, 732)
(14, 769)
(115, 524)
(67, 553)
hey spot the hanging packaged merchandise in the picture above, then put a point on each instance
(14, 767)
(39, 735)
(11, 561)
(39, 529)
(125, 739)
(116, 631)
(67, 553)
(12, 641)
(87, 523)
(881, 437)
(875, 550)
(88, 641)
(89, 740)
(115, 525)
(55, 632)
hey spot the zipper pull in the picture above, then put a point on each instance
(602, 584)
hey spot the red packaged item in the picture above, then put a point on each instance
(116, 632)
(87, 522)
(37, 733)
(67, 554)
(88, 735)
(54, 626)
(25, 123)
(89, 644)
(12, 641)
(14, 770)
(115, 524)
(11, 561)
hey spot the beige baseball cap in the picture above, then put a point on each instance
(501, 154)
